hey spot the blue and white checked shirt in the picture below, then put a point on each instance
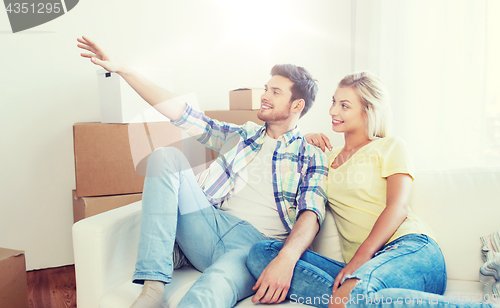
(299, 169)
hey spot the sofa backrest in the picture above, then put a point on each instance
(460, 205)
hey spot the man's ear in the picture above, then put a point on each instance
(298, 105)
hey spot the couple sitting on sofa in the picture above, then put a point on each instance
(247, 221)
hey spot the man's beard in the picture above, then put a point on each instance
(271, 115)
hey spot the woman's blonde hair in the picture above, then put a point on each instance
(375, 100)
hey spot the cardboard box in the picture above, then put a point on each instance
(245, 98)
(232, 116)
(121, 104)
(110, 159)
(235, 116)
(84, 207)
(13, 282)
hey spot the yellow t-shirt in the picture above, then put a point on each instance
(357, 192)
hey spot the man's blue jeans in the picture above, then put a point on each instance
(408, 272)
(174, 208)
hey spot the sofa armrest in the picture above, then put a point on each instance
(105, 249)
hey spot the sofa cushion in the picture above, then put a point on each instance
(327, 241)
(183, 278)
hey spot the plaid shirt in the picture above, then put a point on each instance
(299, 170)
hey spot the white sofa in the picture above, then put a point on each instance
(460, 205)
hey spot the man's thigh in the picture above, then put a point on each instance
(207, 234)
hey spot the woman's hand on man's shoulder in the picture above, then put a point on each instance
(319, 140)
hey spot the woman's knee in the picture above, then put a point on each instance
(261, 254)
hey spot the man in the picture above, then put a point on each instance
(267, 182)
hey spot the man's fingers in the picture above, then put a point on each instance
(258, 283)
(270, 293)
(260, 291)
(92, 46)
(82, 46)
(258, 297)
(85, 43)
(276, 296)
(284, 292)
(88, 41)
(81, 40)
(87, 55)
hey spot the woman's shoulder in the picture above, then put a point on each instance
(393, 148)
(392, 139)
(391, 142)
(390, 147)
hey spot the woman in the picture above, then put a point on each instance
(391, 254)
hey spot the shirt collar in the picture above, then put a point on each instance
(288, 137)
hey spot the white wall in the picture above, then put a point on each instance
(213, 46)
(442, 75)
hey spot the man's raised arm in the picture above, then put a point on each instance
(150, 92)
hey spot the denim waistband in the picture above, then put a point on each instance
(417, 237)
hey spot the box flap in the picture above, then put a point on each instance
(7, 253)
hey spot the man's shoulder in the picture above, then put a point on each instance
(307, 149)
(250, 130)
(251, 126)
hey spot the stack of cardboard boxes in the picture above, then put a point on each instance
(244, 105)
(110, 157)
(110, 161)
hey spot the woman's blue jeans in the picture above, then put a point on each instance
(408, 272)
(174, 208)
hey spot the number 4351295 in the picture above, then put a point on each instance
(39, 8)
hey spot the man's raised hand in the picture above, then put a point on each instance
(97, 55)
